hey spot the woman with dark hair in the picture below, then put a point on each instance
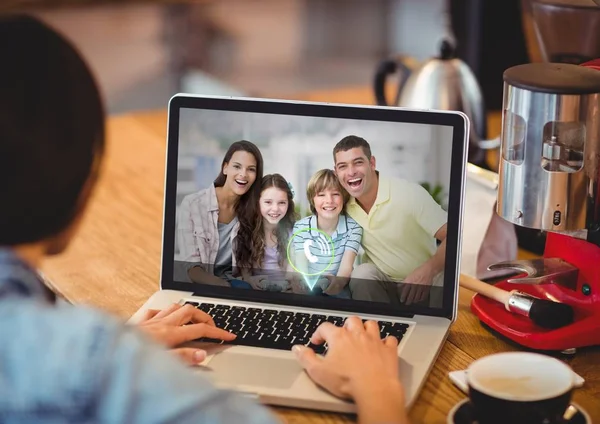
(70, 364)
(210, 220)
(262, 252)
(52, 143)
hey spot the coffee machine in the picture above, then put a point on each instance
(564, 31)
(549, 178)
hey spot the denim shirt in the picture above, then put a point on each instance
(61, 363)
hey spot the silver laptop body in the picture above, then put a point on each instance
(296, 139)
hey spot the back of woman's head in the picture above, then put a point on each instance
(51, 131)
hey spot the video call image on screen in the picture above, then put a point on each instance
(340, 208)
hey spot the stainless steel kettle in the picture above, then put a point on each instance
(443, 83)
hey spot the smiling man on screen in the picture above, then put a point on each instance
(402, 225)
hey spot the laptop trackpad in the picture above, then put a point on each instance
(234, 369)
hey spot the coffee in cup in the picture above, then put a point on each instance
(520, 387)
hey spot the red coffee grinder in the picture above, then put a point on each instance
(549, 177)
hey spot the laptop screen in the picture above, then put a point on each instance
(326, 206)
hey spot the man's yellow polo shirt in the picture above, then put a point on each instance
(398, 232)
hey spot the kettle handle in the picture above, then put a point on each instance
(385, 68)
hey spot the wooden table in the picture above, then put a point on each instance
(114, 263)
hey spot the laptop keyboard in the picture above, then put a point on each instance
(274, 329)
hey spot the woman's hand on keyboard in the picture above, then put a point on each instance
(179, 324)
(358, 365)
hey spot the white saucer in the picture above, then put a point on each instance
(462, 411)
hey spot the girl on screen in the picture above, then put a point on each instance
(264, 265)
(211, 219)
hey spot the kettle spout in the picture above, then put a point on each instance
(478, 148)
(491, 144)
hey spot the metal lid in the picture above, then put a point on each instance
(554, 78)
(447, 50)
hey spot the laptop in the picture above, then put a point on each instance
(296, 140)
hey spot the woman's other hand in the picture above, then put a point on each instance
(178, 324)
(358, 365)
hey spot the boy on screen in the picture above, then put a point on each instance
(327, 242)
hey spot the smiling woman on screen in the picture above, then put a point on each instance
(209, 220)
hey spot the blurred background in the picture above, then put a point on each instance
(443, 54)
(144, 50)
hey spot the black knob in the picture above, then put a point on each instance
(447, 50)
